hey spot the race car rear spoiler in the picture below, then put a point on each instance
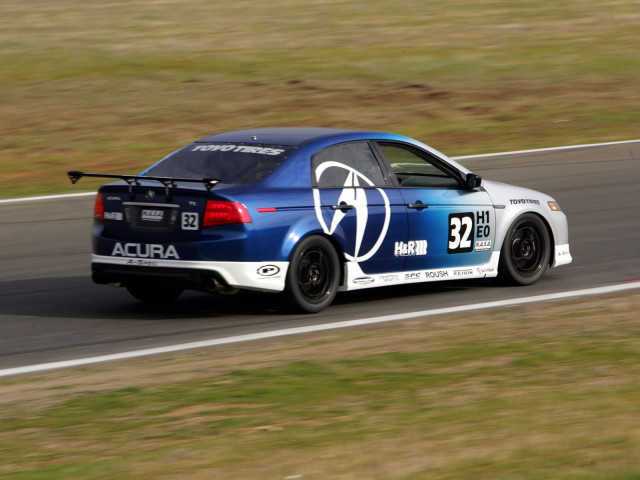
(132, 180)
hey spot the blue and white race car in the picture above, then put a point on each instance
(313, 211)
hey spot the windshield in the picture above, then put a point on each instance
(230, 163)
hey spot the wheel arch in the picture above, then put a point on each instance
(314, 274)
(336, 246)
(341, 256)
(524, 268)
(506, 220)
(552, 237)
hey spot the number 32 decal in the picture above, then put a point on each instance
(460, 233)
(189, 221)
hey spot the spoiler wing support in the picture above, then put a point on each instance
(168, 182)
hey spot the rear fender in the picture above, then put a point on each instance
(280, 231)
(281, 235)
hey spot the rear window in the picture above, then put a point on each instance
(230, 163)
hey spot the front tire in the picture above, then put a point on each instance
(155, 294)
(313, 275)
(526, 251)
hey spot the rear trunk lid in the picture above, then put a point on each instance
(154, 213)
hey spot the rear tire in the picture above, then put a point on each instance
(313, 275)
(526, 251)
(155, 294)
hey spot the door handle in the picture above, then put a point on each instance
(418, 205)
(342, 206)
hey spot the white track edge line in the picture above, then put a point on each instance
(549, 149)
(47, 197)
(314, 328)
(465, 157)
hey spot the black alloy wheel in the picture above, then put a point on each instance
(313, 275)
(526, 251)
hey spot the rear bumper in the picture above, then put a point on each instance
(193, 275)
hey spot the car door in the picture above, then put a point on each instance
(457, 224)
(357, 205)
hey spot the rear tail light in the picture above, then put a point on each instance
(98, 209)
(224, 213)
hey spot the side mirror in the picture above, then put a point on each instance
(472, 181)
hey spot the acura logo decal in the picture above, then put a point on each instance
(356, 197)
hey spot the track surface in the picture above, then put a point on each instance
(50, 310)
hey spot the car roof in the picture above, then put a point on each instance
(286, 136)
(301, 136)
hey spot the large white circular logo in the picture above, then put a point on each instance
(352, 195)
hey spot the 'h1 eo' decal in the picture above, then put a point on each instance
(466, 227)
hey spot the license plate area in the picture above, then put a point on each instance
(151, 216)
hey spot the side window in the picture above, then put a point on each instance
(352, 164)
(416, 169)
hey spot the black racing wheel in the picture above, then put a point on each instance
(526, 251)
(313, 275)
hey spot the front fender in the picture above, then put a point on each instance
(510, 202)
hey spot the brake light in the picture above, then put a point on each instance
(224, 213)
(98, 208)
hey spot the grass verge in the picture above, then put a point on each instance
(115, 86)
(537, 391)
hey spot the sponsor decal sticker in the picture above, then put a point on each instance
(483, 245)
(436, 274)
(145, 250)
(413, 276)
(485, 270)
(152, 215)
(389, 278)
(363, 280)
(142, 263)
(237, 148)
(268, 270)
(113, 215)
(524, 201)
(410, 248)
(463, 272)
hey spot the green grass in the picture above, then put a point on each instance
(523, 393)
(114, 86)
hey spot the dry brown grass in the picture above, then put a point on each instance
(532, 391)
(115, 86)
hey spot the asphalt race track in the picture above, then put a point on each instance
(50, 310)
